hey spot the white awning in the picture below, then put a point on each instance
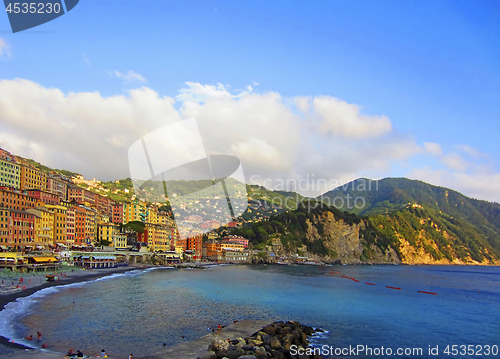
(62, 245)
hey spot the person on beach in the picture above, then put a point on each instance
(130, 356)
(29, 338)
(103, 354)
(79, 354)
(70, 353)
(39, 335)
(219, 328)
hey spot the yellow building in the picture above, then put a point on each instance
(134, 211)
(232, 246)
(90, 225)
(32, 177)
(152, 215)
(108, 231)
(59, 232)
(44, 226)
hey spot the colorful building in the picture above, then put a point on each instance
(32, 178)
(22, 229)
(107, 232)
(44, 196)
(10, 174)
(44, 226)
(117, 213)
(80, 220)
(237, 239)
(59, 235)
(104, 205)
(58, 185)
(70, 226)
(81, 195)
(16, 199)
(135, 211)
(232, 246)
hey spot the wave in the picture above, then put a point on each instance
(22, 305)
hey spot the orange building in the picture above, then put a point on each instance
(117, 217)
(195, 244)
(32, 177)
(81, 195)
(20, 231)
(212, 251)
(44, 196)
(80, 215)
(16, 199)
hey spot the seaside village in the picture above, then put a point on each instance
(47, 219)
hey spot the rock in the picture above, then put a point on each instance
(275, 343)
(260, 352)
(247, 357)
(254, 342)
(270, 329)
(266, 338)
(208, 355)
(288, 338)
(218, 345)
(305, 340)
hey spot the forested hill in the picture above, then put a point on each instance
(415, 234)
(469, 218)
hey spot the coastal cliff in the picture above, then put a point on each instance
(413, 235)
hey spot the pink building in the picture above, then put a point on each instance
(237, 239)
(44, 196)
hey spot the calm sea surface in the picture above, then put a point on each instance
(137, 312)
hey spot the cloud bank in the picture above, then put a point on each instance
(276, 138)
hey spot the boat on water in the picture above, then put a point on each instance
(51, 277)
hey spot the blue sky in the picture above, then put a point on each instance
(431, 67)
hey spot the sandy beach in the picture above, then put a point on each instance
(11, 288)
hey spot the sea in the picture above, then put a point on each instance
(373, 309)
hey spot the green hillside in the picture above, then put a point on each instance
(470, 217)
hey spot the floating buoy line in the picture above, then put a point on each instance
(373, 284)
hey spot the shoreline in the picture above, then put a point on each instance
(71, 278)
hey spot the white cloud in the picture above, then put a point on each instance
(476, 185)
(275, 138)
(471, 151)
(129, 76)
(340, 119)
(455, 162)
(433, 148)
(4, 48)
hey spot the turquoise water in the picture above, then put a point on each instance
(138, 312)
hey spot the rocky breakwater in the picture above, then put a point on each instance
(277, 340)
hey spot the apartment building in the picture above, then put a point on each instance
(16, 199)
(81, 196)
(10, 174)
(58, 185)
(117, 217)
(60, 219)
(44, 196)
(135, 211)
(32, 178)
(108, 232)
(44, 226)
